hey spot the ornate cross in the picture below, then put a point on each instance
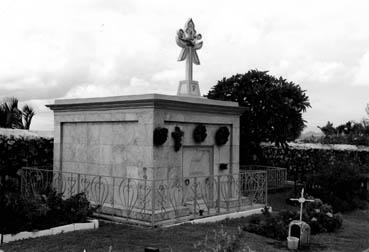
(302, 200)
(188, 40)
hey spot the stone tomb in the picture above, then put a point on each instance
(113, 136)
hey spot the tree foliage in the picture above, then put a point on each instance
(275, 107)
(352, 132)
(13, 117)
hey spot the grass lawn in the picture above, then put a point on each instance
(353, 236)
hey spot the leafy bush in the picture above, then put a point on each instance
(77, 208)
(319, 216)
(302, 161)
(272, 226)
(17, 152)
(341, 185)
(349, 133)
(21, 213)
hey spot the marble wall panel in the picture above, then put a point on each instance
(106, 147)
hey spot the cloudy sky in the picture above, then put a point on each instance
(64, 49)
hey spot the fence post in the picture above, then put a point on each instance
(266, 189)
(195, 199)
(238, 191)
(113, 193)
(71, 185)
(60, 181)
(229, 194)
(211, 193)
(128, 191)
(251, 186)
(218, 195)
(153, 199)
(99, 189)
(78, 181)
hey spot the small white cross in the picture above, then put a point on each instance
(302, 200)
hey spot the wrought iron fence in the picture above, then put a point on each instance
(155, 201)
(277, 176)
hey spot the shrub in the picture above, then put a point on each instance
(17, 152)
(356, 133)
(272, 226)
(20, 213)
(342, 186)
(334, 175)
(319, 216)
(77, 208)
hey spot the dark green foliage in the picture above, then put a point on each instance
(319, 216)
(77, 208)
(12, 117)
(16, 153)
(20, 213)
(275, 108)
(160, 136)
(348, 133)
(342, 185)
(199, 133)
(272, 226)
(221, 136)
(27, 113)
(177, 135)
(301, 162)
(335, 176)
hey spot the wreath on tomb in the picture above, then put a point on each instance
(177, 135)
(199, 133)
(221, 136)
(160, 136)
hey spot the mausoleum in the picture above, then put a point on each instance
(154, 157)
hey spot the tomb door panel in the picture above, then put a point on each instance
(198, 163)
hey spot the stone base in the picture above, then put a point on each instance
(235, 202)
(187, 88)
(147, 215)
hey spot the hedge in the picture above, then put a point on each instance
(19, 151)
(304, 159)
(333, 173)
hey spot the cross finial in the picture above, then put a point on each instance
(188, 40)
(302, 200)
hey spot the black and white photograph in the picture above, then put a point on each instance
(167, 125)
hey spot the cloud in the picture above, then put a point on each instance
(88, 48)
(362, 71)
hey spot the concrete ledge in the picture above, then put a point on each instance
(91, 224)
(63, 229)
(227, 216)
(215, 218)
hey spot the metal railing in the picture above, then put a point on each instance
(155, 201)
(277, 176)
